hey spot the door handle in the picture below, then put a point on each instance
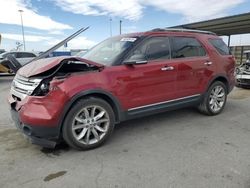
(208, 63)
(167, 68)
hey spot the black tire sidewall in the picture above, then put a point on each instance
(67, 125)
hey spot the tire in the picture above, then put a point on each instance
(88, 124)
(214, 100)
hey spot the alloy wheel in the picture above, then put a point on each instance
(90, 124)
(217, 98)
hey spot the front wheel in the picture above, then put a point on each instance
(88, 124)
(214, 100)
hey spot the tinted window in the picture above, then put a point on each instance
(220, 46)
(25, 55)
(186, 47)
(152, 49)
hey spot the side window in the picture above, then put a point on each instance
(19, 55)
(25, 55)
(220, 46)
(186, 47)
(155, 48)
(11, 53)
(30, 55)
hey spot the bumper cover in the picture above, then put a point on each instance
(44, 136)
(243, 79)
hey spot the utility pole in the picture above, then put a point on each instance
(120, 27)
(21, 11)
(110, 26)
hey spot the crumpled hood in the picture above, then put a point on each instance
(42, 65)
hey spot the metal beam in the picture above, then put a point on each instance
(231, 25)
(229, 40)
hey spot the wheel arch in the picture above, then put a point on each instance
(222, 79)
(108, 97)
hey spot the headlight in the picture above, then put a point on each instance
(237, 71)
(42, 89)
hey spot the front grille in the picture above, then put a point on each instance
(247, 81)
(22, 87)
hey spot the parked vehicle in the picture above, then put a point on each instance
(59, 53)
(14, 64)
(243, 72)
(22, 57)
(2, 51)
(80, 100)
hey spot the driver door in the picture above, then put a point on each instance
(150, 83)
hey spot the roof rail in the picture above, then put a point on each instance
(184, 30)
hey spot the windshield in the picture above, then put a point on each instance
(81, 53)
(109, 50)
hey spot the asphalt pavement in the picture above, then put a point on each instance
(178, 149)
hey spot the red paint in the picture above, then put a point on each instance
(133, 86)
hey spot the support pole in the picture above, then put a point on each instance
(229, 40)
(120, 27)
(110, 26)
(21, 11)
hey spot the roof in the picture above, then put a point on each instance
(231, 25)
(182, 30)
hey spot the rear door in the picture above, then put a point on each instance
(194, 66)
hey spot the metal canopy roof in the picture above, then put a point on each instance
(231, 25)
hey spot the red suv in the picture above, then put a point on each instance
(80, 99)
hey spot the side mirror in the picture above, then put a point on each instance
(135, 62)
(136, 59)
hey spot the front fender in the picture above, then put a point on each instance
(109, 97)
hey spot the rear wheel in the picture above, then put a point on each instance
(214, 100)
(88, 124)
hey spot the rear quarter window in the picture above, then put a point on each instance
(220, 46)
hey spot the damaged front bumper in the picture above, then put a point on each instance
(243, 75)
(38, 116)
(243, 79)
(46, 137)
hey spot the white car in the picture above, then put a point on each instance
(243, 72)
(22, 57)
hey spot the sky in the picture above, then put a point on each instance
(46, 22)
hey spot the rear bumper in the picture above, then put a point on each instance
(40, 135)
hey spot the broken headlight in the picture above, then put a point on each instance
(42, 89)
